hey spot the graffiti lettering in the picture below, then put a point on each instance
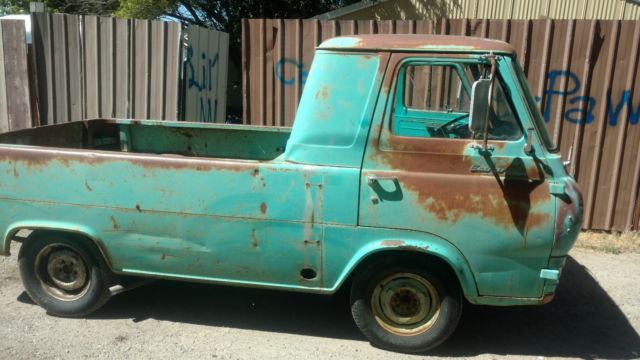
(281, 66)
(581, 107)
(582, 113)
(202, 80)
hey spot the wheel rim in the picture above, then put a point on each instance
(62, 272)
(405, 304)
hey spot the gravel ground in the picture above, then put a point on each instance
(596, 314)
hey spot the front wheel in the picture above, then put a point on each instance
(405, 308)
(64, 275)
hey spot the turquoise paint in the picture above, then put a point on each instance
(340, 42)
(335, 110)
(253, 206)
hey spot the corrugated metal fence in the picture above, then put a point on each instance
(92, 67)
(15, 112)
(101, 67)
(205, 75)
(584, 72)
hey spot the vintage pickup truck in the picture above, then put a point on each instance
(418, 173)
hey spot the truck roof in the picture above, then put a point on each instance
(415, 42)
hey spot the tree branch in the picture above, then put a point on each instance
(194, 14)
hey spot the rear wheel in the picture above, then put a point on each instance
(63, 274)
(405, 308)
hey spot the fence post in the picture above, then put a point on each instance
(36, 7)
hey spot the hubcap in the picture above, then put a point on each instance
(62, 272)
(405, 304)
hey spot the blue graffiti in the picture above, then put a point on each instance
(299, 67)
(206, 113)
(207, 74)
(582, 113)
(202, 81)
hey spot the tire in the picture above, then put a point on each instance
(405, 308)
(64, 275)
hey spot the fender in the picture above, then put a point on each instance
(82, 230)
(418, 243)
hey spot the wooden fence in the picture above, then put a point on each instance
(15, 112)
(583, 72)
(83, 67)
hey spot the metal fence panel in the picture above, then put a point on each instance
(206, 60)
(15, 111)
(584, 73)
(101, 67)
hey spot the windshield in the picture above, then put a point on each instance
(533, 108)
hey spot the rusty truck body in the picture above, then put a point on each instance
(418, 172)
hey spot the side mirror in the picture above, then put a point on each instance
(479, 105)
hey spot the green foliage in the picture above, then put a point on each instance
(92, 7)
(226, 15)
(145, 9)
(13, 7)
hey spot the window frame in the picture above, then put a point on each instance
(399, 91)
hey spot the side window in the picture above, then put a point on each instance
(433, 101)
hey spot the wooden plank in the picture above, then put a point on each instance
(73, 68)
(4, 112)
(172, 71)
(140, 70)
(42, 40)
(106, 67)
(595, 179)
(156, 79)
(121, 68)
(91, 64)
(16, 78)
(60, 69)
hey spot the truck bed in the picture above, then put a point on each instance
(159, 137)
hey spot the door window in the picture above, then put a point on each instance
(433, 101)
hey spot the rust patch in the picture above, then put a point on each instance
(114, 223)
(416, 155)
(163, 256)
(498, 144)
(43, 156)
(322, 94)
(138, 208)
(450, 198)
(263, 208)
(414, 248)
(392, 243)
(439, 173)
(255, 172)
(423, 42)
(548, 298)
(86, 185)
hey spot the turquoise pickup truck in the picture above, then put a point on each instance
(418, 173)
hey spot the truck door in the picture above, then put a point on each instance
(424, 171)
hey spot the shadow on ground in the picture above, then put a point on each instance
(583, 321)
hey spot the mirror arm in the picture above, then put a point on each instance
(528, 147)
(485, 134)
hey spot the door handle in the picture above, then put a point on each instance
(372, 179)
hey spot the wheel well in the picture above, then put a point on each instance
(88, 243)
(431, 262)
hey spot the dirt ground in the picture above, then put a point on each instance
(596, 314)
